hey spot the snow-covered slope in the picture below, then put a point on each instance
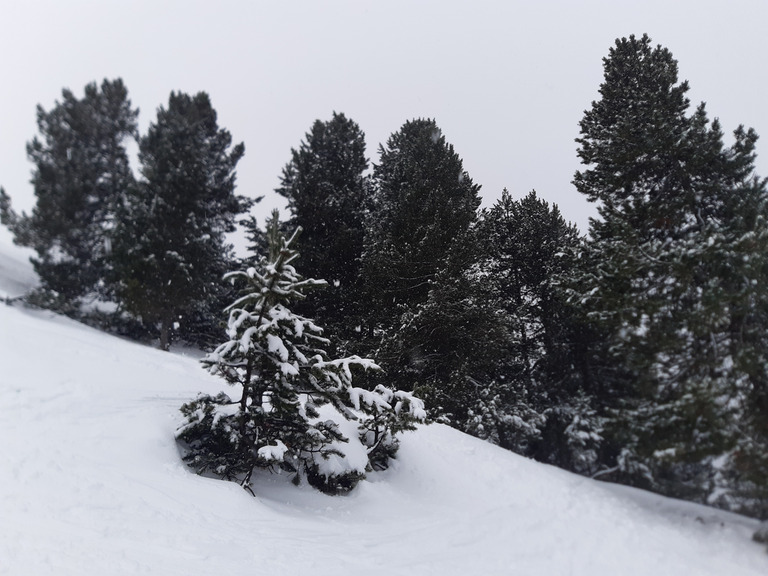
(91, 483)
(16, 274)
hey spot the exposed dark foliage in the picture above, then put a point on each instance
(169, 245)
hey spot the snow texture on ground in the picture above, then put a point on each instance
(91, 483)
(16, 274)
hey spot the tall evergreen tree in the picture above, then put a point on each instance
(528, 250)
(537, 403)
(423, 319)
(170, 248)
(327, 195)
(655, 286)
(81, 170)
(424, 201)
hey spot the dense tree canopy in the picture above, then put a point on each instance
(528, 253)
(638, 354)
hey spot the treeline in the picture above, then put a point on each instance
(637, 354)
(154, 244)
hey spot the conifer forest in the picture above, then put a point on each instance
(636, 353)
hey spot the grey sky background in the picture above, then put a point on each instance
(507, 81)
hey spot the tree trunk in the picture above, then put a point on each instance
(165, 332)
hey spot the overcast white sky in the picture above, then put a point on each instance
(506, 80)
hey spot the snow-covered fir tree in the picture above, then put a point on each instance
(298, 410)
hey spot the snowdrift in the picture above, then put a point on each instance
(91, 483)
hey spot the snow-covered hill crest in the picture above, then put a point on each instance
(91, 483)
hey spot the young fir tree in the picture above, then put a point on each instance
(328, 197)
(298, 410)
(169, 244)
(81, 170)
(655, 284)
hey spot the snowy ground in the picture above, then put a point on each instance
(91, 483)
(16, 273)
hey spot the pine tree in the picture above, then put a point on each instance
(296, 406)
(655, 286)
(415, 256)
(528, 251)
(537, 404)
(448, 347)
(257, 240)
(742, 481)
(11, 220)
(328, 197)
(170, 248)
(81, 170)
(424, 200)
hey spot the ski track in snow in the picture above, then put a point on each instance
(91, 483)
